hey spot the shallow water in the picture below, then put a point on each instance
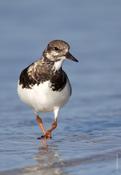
(88, 137)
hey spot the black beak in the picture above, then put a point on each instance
(70, 57)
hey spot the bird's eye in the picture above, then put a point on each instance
(55, 48)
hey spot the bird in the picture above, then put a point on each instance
(44, 86)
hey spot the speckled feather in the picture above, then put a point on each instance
(41, 71)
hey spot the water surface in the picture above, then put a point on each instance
(88, 137)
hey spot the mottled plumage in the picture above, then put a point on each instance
(41, 71)
(44, 86)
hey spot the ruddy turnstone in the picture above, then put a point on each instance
(44, 86)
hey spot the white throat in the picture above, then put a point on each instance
(58, 64)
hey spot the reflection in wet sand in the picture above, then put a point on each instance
(47, 158)
(49, 162)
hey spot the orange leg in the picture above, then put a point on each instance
(49, 131)
(46, 134)
(40, 124)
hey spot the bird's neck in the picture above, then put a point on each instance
(55, 65)
(58, 64)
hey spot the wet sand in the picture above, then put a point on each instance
(88, 137)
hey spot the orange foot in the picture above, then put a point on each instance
(46, 136)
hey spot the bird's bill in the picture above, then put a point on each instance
(71, 57)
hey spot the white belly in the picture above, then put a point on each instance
(41, 97)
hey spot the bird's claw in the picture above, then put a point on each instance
(46, 136)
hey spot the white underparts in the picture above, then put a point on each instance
(43, 99)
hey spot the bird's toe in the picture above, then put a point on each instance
(46, 136)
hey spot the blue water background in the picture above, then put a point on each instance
(88, 137)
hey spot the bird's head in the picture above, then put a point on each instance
(58, 50)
